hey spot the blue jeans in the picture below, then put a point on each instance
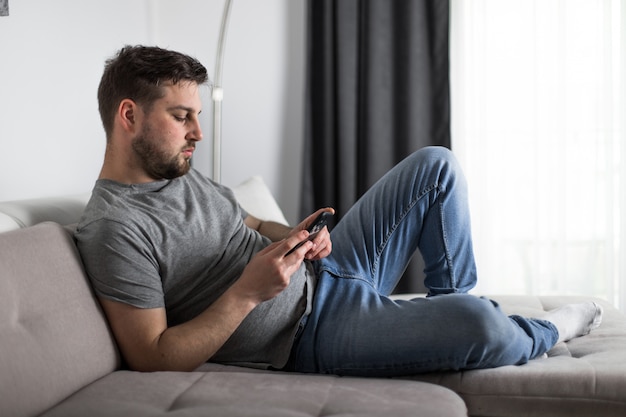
(354, 327)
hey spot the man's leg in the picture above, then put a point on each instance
(354, 329)
(358, 332)
(420, 203)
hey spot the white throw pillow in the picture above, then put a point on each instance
(256, 199)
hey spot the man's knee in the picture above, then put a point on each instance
(438, 159)
(497, 339)
(435, 153)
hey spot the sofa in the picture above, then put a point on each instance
(58, 357)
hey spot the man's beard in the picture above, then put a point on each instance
(157, 163)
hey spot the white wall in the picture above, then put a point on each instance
(51, 59)
(263, 82)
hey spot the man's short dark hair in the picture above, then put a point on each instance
(138, 72)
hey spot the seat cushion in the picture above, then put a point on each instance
(583, 377)
(230, 391)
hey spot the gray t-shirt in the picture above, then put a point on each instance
(180, 244)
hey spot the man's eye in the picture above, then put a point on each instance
(180, 119)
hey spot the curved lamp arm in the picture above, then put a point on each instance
(218, 95)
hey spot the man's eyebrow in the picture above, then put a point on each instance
(185, 108)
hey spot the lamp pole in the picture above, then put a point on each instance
(218, 96)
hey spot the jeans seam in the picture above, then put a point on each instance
(444, 235)
(335, 273)
(381, 248)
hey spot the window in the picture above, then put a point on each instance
(538, 125)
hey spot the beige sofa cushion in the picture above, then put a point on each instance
(225, 391)
(54, 339)
(583, 377)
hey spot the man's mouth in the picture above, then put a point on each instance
(188, 152)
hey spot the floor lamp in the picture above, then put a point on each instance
(218, 95)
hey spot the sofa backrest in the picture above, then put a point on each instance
(53, 335)
(253, 194)
(23, 213)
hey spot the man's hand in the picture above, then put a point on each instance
(322, 245)
(269, 272)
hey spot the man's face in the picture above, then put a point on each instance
(169, 133)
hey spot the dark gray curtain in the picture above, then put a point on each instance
(377, 90)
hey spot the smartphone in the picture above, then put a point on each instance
(315, 227)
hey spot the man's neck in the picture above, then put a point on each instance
(118, 168)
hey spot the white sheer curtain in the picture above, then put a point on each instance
(538, 124)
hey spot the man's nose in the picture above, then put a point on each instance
(196, 132)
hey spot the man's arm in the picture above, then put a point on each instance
(272, 230)
(149, 345)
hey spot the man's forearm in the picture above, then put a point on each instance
(274, 231)
(149, 345)
(194, 342)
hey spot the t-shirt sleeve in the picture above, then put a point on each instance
(230, 195)
(120, 264)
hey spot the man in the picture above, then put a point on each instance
(184, 275)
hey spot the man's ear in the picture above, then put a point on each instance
(127, 114)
